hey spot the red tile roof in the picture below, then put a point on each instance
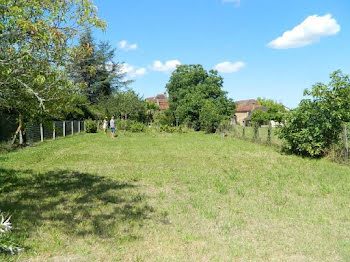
(247, 105)
(161, 100)
(248, 108)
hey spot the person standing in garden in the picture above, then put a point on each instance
(112, 125)
(105, 125)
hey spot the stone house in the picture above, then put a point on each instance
(161, 100)
(244, 109)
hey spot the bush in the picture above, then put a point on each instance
(90, 126)
(310, 130)
(137, 127)
(125, 125)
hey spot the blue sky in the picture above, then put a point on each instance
(153, 36)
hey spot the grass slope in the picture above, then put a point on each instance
(173, 197)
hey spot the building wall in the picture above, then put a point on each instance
(241, 116)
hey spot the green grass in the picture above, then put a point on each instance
(173, 197)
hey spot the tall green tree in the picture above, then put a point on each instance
(92, 66)
(35, 40)
(275, 112)
(125, 104)
(189, 87)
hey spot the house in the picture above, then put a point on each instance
(244, 109)
(161, 100)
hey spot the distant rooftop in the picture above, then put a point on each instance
(161, 100)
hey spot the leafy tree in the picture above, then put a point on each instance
(275, 110)
(164, 117)
(260, 117)
(126, 105)
(93, 68)
(210, 117)
(35, 36)
(189, 87)
(151, 110)
(317, 123)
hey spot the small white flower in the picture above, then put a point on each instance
(5, 224)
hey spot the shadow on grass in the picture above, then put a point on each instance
(73, 203)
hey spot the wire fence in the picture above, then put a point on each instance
(268, 135)
(264, 134)
(52, 130)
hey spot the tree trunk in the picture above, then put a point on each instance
(18, 131)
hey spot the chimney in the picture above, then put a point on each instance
(165, 94)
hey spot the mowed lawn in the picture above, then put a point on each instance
(173, 197)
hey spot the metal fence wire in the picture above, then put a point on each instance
(53, 129)
(33, 133)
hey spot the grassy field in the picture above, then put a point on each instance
(173, 197)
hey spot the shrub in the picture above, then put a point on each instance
(137, 127)
(124, 124)
(90, 126)
(309, 130)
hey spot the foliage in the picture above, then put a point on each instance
(260, 117)
(209, 117)
(164, 117)
(173, 129)
(317, 123)
(189, 87)
(92, 67)
(151, 111)
(275, 112)
(35, 39)
(124, 104)
(90, 126)
(124, 124)
(137, 127)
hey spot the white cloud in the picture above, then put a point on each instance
(133, 72)
(229, 67)
(238, 2)
(124, 45)
(167, 67)
(309, 31)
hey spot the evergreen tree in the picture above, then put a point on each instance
(93, 68)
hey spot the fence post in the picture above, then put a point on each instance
(256, 131)
(78, 126)
(72, 125)
(54, 131)
(346, 144)
(41, 133)
(64, 128)
(243, 132)
(98, 124)
(84, 126)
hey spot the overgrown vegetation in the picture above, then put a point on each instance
(318, 122)
(90, 126)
